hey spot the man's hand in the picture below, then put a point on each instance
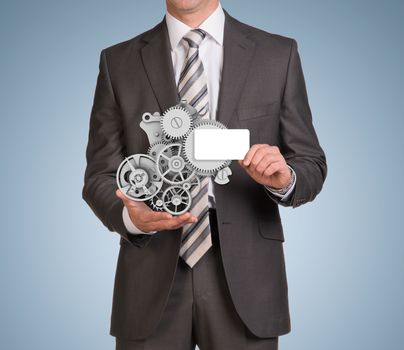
(147, 220)
(266, 165)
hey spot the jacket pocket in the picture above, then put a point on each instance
(254, 112)
(271, 229)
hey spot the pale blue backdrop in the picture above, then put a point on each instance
(344, 251)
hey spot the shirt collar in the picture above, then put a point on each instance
(213, 25)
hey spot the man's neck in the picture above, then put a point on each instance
(193, 18)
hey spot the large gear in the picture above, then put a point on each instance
(176, 122)
(171, 163)
(202, 167)
(137, 177)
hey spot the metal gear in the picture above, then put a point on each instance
(137, 177)
(155, 148)
(151, 126)
(193, 183)
(191, 110)
(202, 167)
(176, 200)
(176, 122)
(156, 202)
(171, 166)
(222, 176)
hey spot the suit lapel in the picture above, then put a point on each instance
(156, 56)
(237, 57)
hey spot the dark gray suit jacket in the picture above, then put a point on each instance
(262, 89)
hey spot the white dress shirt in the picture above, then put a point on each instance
(211, 54)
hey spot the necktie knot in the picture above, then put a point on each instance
(194, 37)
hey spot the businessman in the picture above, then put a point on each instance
(214, 276)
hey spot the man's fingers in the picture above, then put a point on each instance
(250, 153)
(154, 220)
(259, 156)
(264, 163)
(153, 216)
(142, 211)
(184, 218)
(267, 160)
(149, 215)
(163, 219)
(183, 222)
(258, 149)
(173, 223)
(272, 168)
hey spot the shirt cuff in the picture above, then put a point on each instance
(284, 193)
(130, 226)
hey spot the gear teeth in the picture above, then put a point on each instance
(176, 134)
(153, 146)
(212, 122)
(194, 165)
(154, 199)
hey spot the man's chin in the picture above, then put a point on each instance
(186, 6)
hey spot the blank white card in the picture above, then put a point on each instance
(221, 144)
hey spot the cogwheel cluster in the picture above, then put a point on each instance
(169, 176)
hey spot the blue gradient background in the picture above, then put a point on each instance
(344, 250)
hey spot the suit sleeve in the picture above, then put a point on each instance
(105, 151)
(298, 140)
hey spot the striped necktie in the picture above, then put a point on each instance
(192, 86)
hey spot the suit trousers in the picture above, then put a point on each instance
(200, 311)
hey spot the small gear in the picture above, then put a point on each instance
(176, 200)
(156, 202)
(202, 167)
(176, 122)
(193, 183)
